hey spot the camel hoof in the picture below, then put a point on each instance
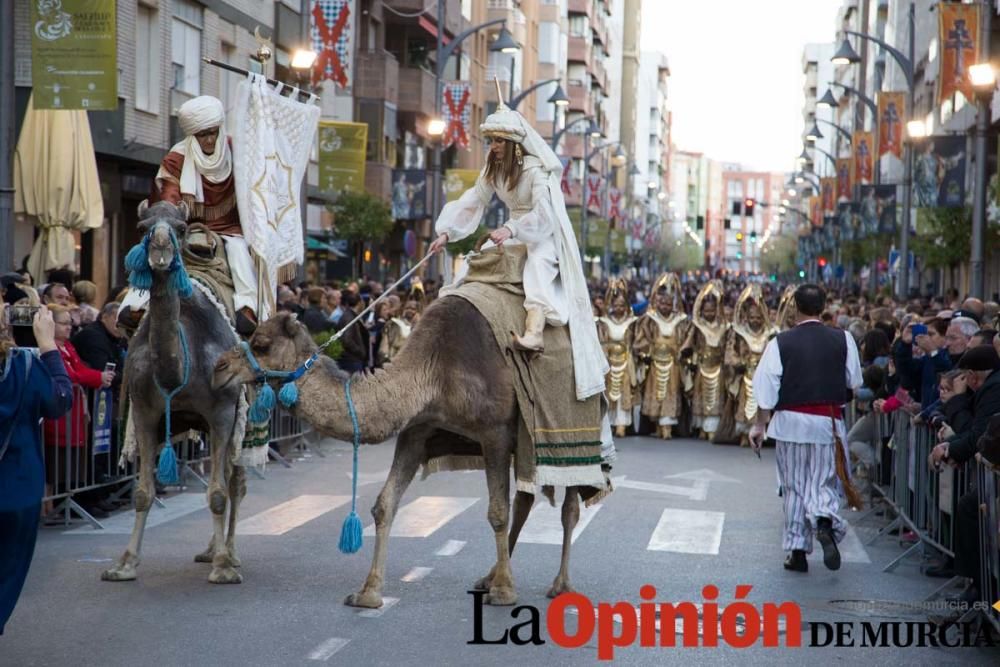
(483, 584)
(501, 596)
(225, 575)
(120, 572)
(234, 560)
(206, 556)
(559, 587)
(366, 599)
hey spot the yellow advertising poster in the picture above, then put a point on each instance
(457, 181)
(342, 149)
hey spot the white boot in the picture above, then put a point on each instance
(532, 340)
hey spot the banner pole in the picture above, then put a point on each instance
(239, 70)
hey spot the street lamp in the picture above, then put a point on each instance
(845, 55)
(984, 82)
(814, 133)
(504, 43)
(435, 127)
(514, 101)
(559, 97)
(841, 131)
(303, 58)
(916, 129)
(828, 100)
(594, 130)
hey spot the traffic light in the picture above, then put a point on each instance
(802, 274)
(739, 255)
(753, 237)
(748, 205)
(739, 236)
(822, 262)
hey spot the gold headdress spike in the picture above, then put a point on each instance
(500, 102)
(616, 286)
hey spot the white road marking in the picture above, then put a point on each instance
(688, 532)
(697, 491)
(425, 515)
(416, 574)
(387, 603)
(450, 548)
(544, 524)
(703, 474)
(325, 650)
(851, 549)
(121, 524)
(370, 477)
(282, 518)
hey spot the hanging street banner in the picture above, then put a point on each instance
(958, 40)
(878, 209)
(828, 191)
(332, 31)
(845, 186)
(593, 193)
(564, 181)
(845, 220)
(342, 150)
(410, 194)
(457, 181)
(74, 54)
(890, 123)
(863, 150)
(456, 112)
(615, 204)
(816, 211)
(939, 172)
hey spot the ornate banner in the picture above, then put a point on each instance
(958, 40)
(862, 148)
(342, 149)
(890, 123)
(593, 193)
(878, 209)
(816, 211)
(74, 47)
(456, 112)
(332, 31)
(828, 192)
(615, 204)
(457, 181)
(939, 172)
(845, 185)
(564, 181)
(410, 194)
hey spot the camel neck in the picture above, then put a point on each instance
(164, 344)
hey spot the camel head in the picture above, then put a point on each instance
(281, 343)
(159, 223)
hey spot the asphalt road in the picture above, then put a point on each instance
(685, 514)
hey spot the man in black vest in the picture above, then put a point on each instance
(805, 377)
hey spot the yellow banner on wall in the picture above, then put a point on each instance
(457, 181)
(890, 123)
(342, 150)
(864, 148)
(958, 40)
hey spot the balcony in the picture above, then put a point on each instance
(376, 76)
(416, 90)
(378, 180)
(600, 29)
(600, 75)
(579, 98)
(579, 50)
(453, 22)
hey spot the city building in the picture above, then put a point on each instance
(750, 209)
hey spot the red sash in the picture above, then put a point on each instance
(818, 409)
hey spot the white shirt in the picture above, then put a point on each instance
(796, 426)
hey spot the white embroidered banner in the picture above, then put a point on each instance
(272, 139)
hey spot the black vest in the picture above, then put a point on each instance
(814, 366)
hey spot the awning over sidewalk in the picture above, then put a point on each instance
(56, 184)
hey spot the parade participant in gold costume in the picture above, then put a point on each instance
(703, 351)
(787, 314)
(615, 332)
(397, 330)
(745, 344)
(658, 337)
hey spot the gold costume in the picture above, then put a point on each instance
(787, 312)
(616, 340)
(744, 348)
(706, 342)
(658, 342)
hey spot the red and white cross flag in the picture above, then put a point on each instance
(332, 33)
(457, 113)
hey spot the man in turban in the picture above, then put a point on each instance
(199, 172)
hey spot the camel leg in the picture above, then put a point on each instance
(237, 491)
(523, 502)
(570, 517)
(405, 462)
(125, 568)
(497, 461)
(223, 570)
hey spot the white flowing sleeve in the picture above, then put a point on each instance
(767, 377)
(537, 225)
(461, 217)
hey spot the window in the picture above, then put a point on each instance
(544, 111)
(147, 61)
(228, 81)
(186, 47)
(549, 41)
(579, 26)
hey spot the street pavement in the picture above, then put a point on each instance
(685, 514)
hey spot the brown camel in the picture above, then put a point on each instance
(449, 380)
(156, 356)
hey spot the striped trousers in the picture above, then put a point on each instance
(807, 473)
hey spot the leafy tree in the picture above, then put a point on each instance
(360, 217)
(334, 349)
(944, 236)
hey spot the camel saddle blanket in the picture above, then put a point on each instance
(204, 255)
(559, 442)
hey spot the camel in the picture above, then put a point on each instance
(156, 356)
(449, 380)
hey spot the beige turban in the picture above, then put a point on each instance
(201, 113)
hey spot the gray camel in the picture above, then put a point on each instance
(157, 356)
(449, 382)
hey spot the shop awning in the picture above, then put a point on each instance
(315, 244)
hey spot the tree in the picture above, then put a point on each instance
(361, 217)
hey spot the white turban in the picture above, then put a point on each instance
(200, 114)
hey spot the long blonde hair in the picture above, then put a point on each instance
(508, 168)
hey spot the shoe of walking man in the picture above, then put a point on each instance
(805, 377)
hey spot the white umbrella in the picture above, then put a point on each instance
(56, 184)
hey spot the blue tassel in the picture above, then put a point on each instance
(350, 534)
(166, 468)
(179, 280)
(137, 264)
(289, 395)
(260, 411)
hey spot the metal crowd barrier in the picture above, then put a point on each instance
(82, 468)
(988, 481)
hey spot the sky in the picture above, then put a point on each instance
(736, 73)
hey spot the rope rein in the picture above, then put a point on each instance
(166, 469)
